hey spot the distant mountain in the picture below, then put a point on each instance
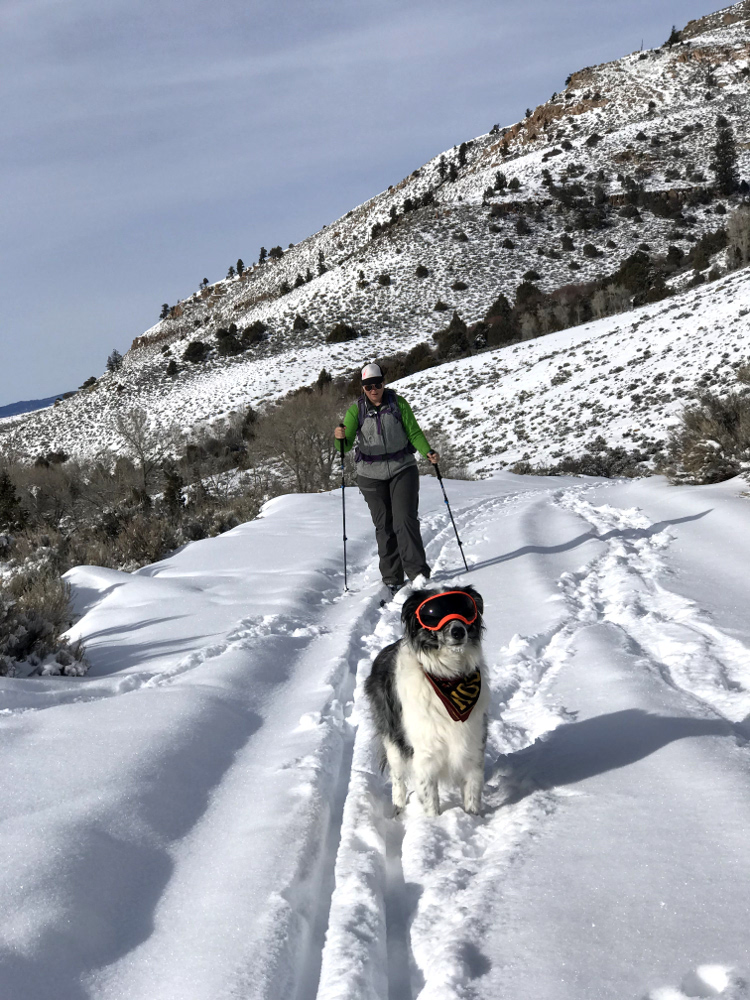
(612, 178)
(27, 406)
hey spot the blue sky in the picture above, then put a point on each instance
(147, 144)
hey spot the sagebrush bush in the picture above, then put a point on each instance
(712, 441)
(34, 612)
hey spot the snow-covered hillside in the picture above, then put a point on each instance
(648, 119)
(623, 379)
(202, 816)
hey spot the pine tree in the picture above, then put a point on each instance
(462, 154)
(172, 368)
(174, 484)
(240, 267)
(262, 256)
(230, 272)
(164, 311)
(674, 38)
(12, 514)
(724, 163)
(114, 361)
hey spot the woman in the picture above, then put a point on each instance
(387, 435)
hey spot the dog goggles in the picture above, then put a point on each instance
(433, 613)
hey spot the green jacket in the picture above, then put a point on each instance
(371, 439)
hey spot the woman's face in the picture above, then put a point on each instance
(375, 395)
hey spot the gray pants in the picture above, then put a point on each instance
(393, 507)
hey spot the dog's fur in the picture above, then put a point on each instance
(419, 738)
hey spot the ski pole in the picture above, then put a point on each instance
(343, 501)
(445, 497)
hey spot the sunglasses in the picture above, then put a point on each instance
(373, 385)
(433, 613)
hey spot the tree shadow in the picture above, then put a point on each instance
(581, 750)
(587, 536)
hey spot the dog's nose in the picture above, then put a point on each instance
(457, 631)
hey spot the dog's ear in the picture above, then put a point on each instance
(412, 603)
(477, 598)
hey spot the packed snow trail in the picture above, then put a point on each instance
(202, 817)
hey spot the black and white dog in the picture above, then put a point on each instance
(429, 698)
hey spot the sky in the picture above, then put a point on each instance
(147, 144)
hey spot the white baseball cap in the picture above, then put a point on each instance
(371, 373)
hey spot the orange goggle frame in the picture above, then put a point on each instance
(435, 611)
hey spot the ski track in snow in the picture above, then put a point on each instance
(415, 896)
(380, 908)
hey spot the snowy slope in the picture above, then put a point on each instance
(202, 817)
(625, 378)
(647, 118)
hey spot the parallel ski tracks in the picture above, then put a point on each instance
(419, 926)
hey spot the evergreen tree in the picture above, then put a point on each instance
(724, 163)
(262, 256)
(174, 484)
(172, 368)
(674, 38)
(230, 272)
(12, 514)
(276, 253)
(240, 267)
(452, 172)
(114, 361)
(204, 283)
(321, 263)
(462, 154)
(441, 167)
(164, 311)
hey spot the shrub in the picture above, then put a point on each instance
(421, 271)
(195, 352)
(515, 184)
(522, 227)
(228, 343)
(441, 306)
(508, 244)
(300, 323)
(461, 236)
(712, 442)
(255, 333)
(453, 341)
(589, 250)
(341, 333)
(384, 279)
(532, 276)
(34, 612)
(459, 286)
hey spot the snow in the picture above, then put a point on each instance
(202, 816)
